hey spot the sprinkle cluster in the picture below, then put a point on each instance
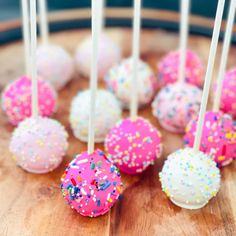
(105, 119)
(169, 66)
(190, 179)
(133, 145)
(218, 137)
(39, 144)
(91, 184)
(119, 81)
(176, 104)
(109, 53)
(228, 96)
(55, 65)
(16, 99)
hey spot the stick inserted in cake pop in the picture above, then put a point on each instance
(43, 21)
(225, 51)
(25, 16)
(184, 24)
(135, 58)
(93, 73)
(210, 67)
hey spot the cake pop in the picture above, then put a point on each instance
(189, 177)
(133, 145)
(108, 55)
(53, 62)
(39, 144)
(168, 69)
(219, 132)
(105, 119)
(119, 81)
(91, 184)
(176, 104)
(16, 99)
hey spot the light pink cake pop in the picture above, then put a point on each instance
(16, 99)
(91, 184)
(169, 66)
(218, 137)
(133, 145)
(176, 104)
(39, 144)
(228, 95)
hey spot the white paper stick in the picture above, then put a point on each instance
(43, 21)
(33, 39)
(210, 66)
(184, 24)
(225, 51)
(96, 4)
(135, 58)
(26, 37)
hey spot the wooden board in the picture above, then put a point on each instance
(33, 205)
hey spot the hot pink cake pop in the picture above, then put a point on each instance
(91, 184)
(16, 99)
(218, 138)
(228, 95)
(169, 66)
(133, 145)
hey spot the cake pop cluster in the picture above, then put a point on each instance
(91, 184)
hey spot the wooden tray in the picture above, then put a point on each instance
(33, 205)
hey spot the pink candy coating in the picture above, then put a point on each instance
(91, 184)
(176, 104)
(169, 66)
(218, 138)
(133, 145)
(39, 144)
(228, 95)
(16, 99)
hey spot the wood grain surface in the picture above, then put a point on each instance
(33, 205)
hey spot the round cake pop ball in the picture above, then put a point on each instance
(119, 81)
(107, 112)
(228, 95)
(55, 65)
(176, 104)
(39, 144)
(190, 179)
(169, 68)
(133, 145)
(109, 53)
(16, 99)
(91, 184)
(218, 137)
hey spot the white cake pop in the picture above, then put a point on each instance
(190, 179)
(108, 112)
(119, 81)
(54, 64)
(109, 53)
(39, 144)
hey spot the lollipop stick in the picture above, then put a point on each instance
(96, 4)
(210, 66)
(43, 21)
(135, 55)
(225, 51)
(25, 15)
(33, 37)
(184, 22)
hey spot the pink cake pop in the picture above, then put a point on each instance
(133, 145)
(218, 137)
(228, 95)
(91, 184)
(16, 99)
(169, 65)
